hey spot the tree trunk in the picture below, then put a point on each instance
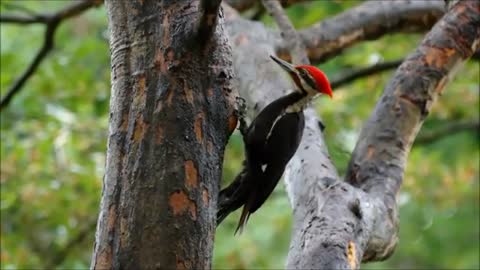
(171, 113)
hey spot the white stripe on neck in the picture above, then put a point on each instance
(299, 105)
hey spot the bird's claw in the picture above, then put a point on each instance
(241, 112)
(241, 109)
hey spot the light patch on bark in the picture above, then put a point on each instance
(205, 196)
(351, 255)
(191, 175)
(198, 127)
(180, 203)
(140, 129)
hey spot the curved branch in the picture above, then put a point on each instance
(447, 130)
(52, 22)
(379, 158)
(367, 21)
(65, 13)
(357, 220)
(364, 72)
(42, 53)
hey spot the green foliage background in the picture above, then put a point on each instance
(53, 143)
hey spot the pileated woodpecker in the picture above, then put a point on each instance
(270, 142)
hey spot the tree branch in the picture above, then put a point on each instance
(51, 21)
(12, 6)
(242, 5)
(453, 128)
(290, 35)
(367, 21)
(476, 56)
(364, 72)
(257, 15)
(379, 158)
(59, 257)
(42, 53)
(24, 19)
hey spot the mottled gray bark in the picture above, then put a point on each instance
(171, 113)
(379, 159)
(357, 220)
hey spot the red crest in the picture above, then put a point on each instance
(323, 85)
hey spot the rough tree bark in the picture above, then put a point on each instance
(171, 113)
(338, 224)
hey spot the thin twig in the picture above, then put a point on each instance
(42, 53)
(290, 35)
(447, 130)
(59, 257)
(51, 21)
(257, 15)
(476, 56)
(23, 19)
(12, 6)
(363, 72)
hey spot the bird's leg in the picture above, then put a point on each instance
(241, 112)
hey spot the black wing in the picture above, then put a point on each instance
(281, 146)
(250, 188)
(263, 123)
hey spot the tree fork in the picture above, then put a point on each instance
(379, 159)
(356, 221)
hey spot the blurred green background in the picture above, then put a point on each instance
(53, 143)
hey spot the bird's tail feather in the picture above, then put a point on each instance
(247, 207)
(243, 220)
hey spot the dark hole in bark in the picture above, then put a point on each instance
(355, 208)
(222, 75)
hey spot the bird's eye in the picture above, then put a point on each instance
(310, 81)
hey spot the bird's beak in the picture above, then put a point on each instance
(284, 64)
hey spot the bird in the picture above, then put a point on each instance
(270, 142)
